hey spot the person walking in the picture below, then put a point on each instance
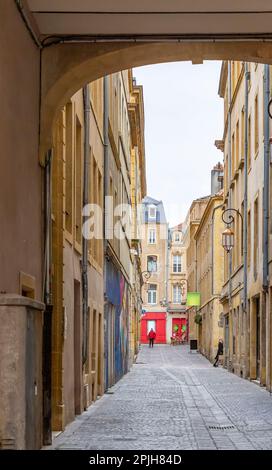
(151, 337)
(220, 350)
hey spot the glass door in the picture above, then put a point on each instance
(151, 324)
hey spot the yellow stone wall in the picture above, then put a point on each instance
(210, 272)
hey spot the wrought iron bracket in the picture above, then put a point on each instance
(228, 219)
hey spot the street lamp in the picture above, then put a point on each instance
(146, 275)
(228, 239)
(164, 303)
(228, 234)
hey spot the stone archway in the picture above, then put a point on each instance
(68, 67)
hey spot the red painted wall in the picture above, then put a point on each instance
(160, 321)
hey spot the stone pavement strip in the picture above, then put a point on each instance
(173, 399)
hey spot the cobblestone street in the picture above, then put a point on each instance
(173, 399)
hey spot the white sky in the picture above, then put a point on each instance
(183, 118)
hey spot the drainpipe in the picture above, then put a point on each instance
(230, 172)
(86, 171)
(266, 206)
(47, 296)
(47, 283)
(23, 13)
(107, 372)
(266, 178)
(245, 254)
(106, 158)
(167, 264)
(230, 198)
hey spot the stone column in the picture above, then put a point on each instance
(21, 390)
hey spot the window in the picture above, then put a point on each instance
(152, 236)
(152, 294)
(256, 124)
(226, 179)
(68, 167)
(249, 142)
(152, 212)
(256, 236)
(237, 150)
(78, 177)
(177, 294)
(152, 264)
(248, 239)
(234, 332)
(232, 155)
(177, 264)
(177, 239)
(243, 134)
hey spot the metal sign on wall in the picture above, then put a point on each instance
(193, 299)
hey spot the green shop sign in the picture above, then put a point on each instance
(193, 299)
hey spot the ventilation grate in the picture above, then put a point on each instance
(223, 427)
(7, 443)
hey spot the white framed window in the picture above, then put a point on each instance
(152, 236)
(176, 294)
(177, 239)
(152, 264)
(152, 294)
(177, 264)
(152, 212)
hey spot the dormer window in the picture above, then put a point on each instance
(177, 239)
(152, 212)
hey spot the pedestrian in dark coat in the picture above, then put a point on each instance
(220, 351)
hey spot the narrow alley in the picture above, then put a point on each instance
(174, 399)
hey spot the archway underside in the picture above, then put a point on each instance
(68, 67)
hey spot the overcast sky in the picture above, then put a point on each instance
(183, 118)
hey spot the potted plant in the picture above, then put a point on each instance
(198, 319)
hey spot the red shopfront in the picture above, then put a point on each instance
(180, 327)
(157, 321)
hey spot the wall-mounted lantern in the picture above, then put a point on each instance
(228, 234)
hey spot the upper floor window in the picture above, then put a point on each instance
(256, 124)
(176, 294)
(177, 263)
(177, 237)
(152, 212)
(152, 236)
(152, 294)
(152, 264)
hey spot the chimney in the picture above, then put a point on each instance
(217, 175)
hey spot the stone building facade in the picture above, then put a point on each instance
(177, 285)
(246, 295)
(210, 270)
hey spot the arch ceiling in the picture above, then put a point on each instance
(129, 33)
(177, 19)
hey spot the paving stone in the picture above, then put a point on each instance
(174, 400)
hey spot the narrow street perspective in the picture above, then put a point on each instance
(174, 399)
(136, 225)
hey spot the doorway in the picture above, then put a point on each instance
(77, 348)
(179, 327)
(226, 356)
(258, 338)
(151, 324)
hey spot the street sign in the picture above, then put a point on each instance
(193, 299)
